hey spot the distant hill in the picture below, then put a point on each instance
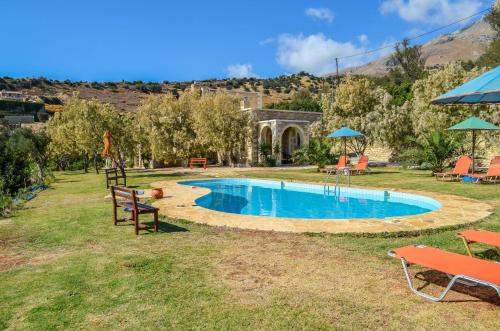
(126, 96)
(466, 44)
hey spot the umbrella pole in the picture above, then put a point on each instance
(345, 146)
(473, 149)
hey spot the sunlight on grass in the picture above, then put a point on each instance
(75, 269)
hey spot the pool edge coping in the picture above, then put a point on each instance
(179, 203)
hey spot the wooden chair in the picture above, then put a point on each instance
(198, 161)
(112, 176)
(127, 198)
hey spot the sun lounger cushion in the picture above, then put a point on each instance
(485, 237)
(451, 263)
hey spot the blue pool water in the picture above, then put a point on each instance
(293, 200)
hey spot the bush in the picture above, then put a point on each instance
(268, 154)
(317, 152)
(5, 202)
(24, 107)
(433, 151)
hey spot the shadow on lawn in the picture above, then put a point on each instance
(165, 227)
(480, 292)
(160, 175)
(489, 254)
(170, 228)
(62, 180)
(375, 172)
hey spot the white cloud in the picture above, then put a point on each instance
(266, 41)
(431, 11)
(363, 38)
(320, 14)
(316, 53)
(240, 71)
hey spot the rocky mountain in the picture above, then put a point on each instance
(466, 44)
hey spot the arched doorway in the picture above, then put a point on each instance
(266, 136)
(265, 148)
(291, 140)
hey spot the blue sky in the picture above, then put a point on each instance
(154, 40)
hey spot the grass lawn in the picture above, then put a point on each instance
(64, 265)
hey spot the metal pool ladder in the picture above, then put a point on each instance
(338, 174)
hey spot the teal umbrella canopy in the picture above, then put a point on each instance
(474, 124)
(484, 89)
(344, 133)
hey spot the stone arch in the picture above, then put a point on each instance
(265, 137)
(292, 138)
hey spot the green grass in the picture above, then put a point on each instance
(395, 177)
(63, 265)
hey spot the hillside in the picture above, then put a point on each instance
(126, 96)
(466, 44)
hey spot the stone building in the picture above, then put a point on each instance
(287, 130)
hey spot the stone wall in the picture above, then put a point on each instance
(378, 153)
(278, 114)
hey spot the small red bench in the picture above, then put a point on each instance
(200, 161)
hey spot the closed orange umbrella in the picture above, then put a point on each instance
(107, 144)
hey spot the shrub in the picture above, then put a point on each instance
(266, 151)
(433, 151)
(317, 152)
(5, 202)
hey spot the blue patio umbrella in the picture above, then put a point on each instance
(344, 133)
(484, 89)
(474, 124)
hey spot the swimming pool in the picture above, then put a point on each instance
(306, 201)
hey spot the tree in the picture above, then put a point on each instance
(302, 100)
(493, 17)
(221, 126)
(427, 117)
(357, 104)
(491, 58)
(408, 59)
(78, 130)
(34, 146)
(15, 167)
(165, 126)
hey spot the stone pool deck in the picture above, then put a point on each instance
(179, 203)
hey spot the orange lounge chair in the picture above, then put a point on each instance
(460, 268)
(340, 165)
(480, 236)
(493, 173)
(361, 166)
(461, 169)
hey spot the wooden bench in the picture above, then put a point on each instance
(198, 161)
(114, 177)
(127, 199)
